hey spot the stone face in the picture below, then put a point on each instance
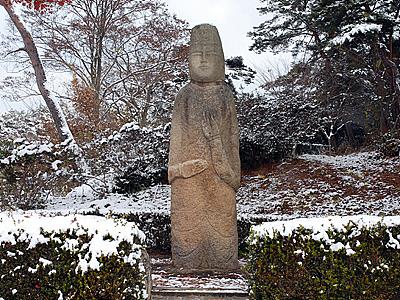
(204, 164)
(206, 57)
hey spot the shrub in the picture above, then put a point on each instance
(271, 126)
(75, 257)
(136, 157)
(5, 148)
(126, 161)
(338, 258)
(30, 171)
(390, 143)
(157, 228)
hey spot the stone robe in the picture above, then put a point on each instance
(203, 206)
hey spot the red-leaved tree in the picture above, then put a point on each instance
(40, 5)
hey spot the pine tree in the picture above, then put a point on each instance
(352, 49)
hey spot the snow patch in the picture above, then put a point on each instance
(350, 31)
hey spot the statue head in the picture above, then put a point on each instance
(206, 57)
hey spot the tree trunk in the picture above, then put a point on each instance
(29, 46)
(58, 116)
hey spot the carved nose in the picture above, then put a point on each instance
(203, 57)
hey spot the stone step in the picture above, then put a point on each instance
(170, 284)
(167, 293)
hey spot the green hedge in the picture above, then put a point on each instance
(85, 257)
(326, 259)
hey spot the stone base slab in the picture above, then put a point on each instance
(168, 284)
(198, 294)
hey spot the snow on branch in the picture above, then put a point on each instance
(351, 31)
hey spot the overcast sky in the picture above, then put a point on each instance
(233, 18)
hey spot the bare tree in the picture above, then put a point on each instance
(130, 53)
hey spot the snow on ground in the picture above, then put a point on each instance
(83, 199)
(321, 185)
(310, 186)
(358, 161)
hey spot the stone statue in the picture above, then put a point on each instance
(204, 164)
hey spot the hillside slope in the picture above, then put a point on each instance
(308, 186)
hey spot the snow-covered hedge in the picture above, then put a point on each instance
(70, 257)
(326, 258)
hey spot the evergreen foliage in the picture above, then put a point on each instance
(52, 265)
(297, 266)
(347, 54)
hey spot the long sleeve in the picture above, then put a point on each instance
(225, 147)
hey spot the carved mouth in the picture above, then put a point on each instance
(203, 67)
